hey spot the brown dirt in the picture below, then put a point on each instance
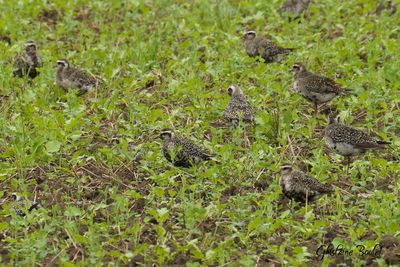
(363, 56)
(390, 251)
(369, 236)
(266, 260)
(227, 193)
(4, 253)
(391, 256)
(207, 225)
(334, 230)
(49, 16)
(82, 13)
(219, 124)
(38, 174)
(261, 184)
(5, 38)
(180, 259)
(389, 241)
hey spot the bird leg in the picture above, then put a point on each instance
(348, 158)
(306, 200)
(315, 108)
(247, 142)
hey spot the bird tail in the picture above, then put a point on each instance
(328, 189)
(382, 142)
(212, 157)
(288, 50)
(347, 91)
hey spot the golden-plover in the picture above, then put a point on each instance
(69, 77)
(263, 47)
(28, 63)
(21, 203)
(300, 187)
(181, 151)
(315, 88)
(238, 109)
(348, 141)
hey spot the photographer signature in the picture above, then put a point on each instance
(359, 250)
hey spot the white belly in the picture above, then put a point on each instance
(343, 149)
(322, 98)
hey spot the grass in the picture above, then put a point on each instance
(94, 163)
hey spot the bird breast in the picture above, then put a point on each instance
(251, 48)
(62, 79)
(285, 182)
(296, 86)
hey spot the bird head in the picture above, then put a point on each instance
(166, 134)
(286, 169)
(30, 47)
(62, 64)
(298, 68)
(15, 197)
(249, 35)
(234, 90)
(333, 118)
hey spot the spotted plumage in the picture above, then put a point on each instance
(294, 7)
(21, 204)
(238, 108)
(181, 151)
(300, 187)
(263, 47)
(69, 77)
(315, 88)
(348, 141)
(28, 63)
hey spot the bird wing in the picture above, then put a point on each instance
(267, 48)
(356, 137)
(39, 61)
(81, 78)
(320, 84)
(287, 6)
(371, 142)
(20, 62)
(239, 105)
(190, 150)
(311, 185)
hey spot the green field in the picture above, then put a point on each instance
(95, 164)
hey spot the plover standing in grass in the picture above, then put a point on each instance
(263, 47)
(238, 108)
(69, 77)
(22, 204)
(315, 88)
(294, 7)
(299, 186)
(181, 151)
(348, 141)
(28, 63)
